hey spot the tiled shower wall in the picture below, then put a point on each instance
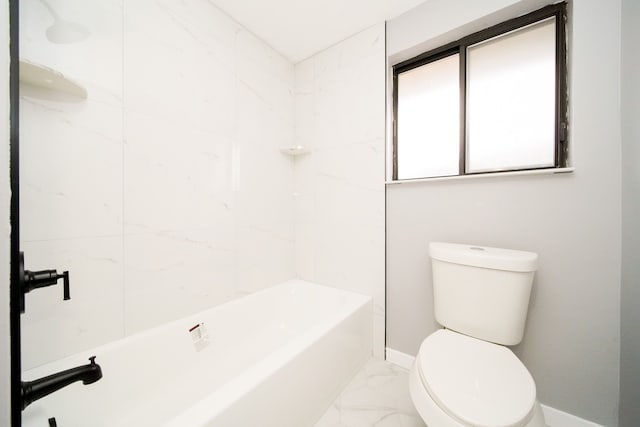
(164, 192)
(340, 199)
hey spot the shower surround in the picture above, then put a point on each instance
(164, 193)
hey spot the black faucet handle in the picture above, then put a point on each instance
(92, 359)
(30, 280)
(65, 283)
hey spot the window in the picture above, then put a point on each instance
(490, 102)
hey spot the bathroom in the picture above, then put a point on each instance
(178, 185)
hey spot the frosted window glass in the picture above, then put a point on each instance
(428, 138)
(511, 100)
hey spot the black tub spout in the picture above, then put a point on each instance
(34, 390)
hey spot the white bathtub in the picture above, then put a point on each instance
(277, 358)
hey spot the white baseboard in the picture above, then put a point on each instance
(398, 358)
(553, 417)
(556, 418)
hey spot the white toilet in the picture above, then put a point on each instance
(464, 376)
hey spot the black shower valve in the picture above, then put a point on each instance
(30, 280)
(44, 278)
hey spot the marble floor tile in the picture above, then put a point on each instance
(377, 396)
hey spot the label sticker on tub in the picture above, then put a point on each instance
(199, 336)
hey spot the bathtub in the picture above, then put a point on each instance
(278, 357)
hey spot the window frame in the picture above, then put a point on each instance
(559, 11)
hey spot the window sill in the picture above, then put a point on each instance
(550, 171)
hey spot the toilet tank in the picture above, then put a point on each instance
(482, 292)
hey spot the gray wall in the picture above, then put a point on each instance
(5, 230)
(573, 221)
(630, 292)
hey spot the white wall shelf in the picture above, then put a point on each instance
(295, 151)
(44, 77)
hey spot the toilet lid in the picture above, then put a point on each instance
(478, 382)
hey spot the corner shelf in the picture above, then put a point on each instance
(44, 77)
(295, 151)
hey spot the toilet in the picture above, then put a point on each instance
(464, 375)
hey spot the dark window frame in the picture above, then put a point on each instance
(559, 11)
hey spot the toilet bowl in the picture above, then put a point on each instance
(464, 375)
(460, 381)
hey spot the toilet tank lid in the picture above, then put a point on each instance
(484, 256)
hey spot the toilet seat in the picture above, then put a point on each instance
(476, 382)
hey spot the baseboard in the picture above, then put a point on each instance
(399, 358)
(552, 416)
(556, 418)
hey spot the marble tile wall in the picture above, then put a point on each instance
(208, 196)
(340, 201)
(164, 192)
(71, 180)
